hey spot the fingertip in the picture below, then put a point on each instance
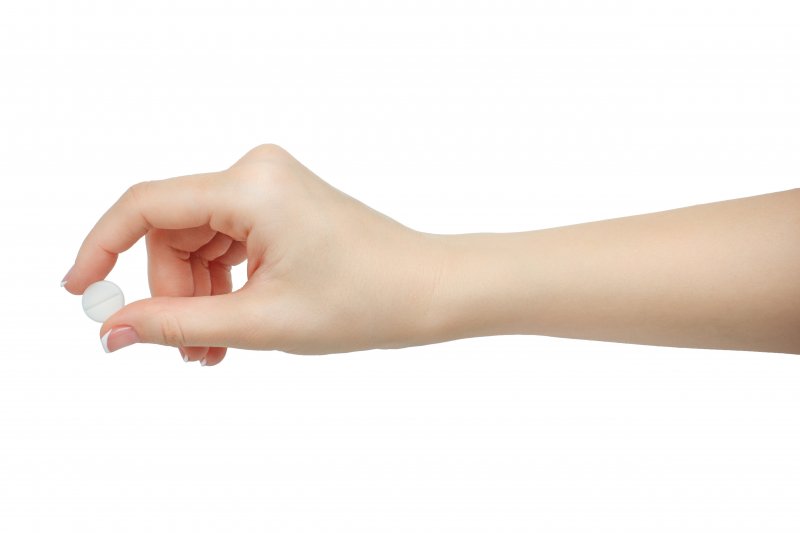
(193, 353)
(215, 355)
(121, 318)
(69, 288)
(92, 264)
(65, 279)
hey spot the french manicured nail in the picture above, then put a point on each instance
(203, 361)
(183, 354)
(66, 276)
(119, 337)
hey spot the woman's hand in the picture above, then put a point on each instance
(328, 274)
(325, 272)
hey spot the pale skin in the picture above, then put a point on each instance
(328, 274)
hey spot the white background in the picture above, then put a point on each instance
(451, 117)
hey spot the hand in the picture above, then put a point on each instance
(325, 272)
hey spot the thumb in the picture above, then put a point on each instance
(222, 320)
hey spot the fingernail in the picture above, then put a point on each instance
(66, 276)
(117, 338)
(203, 361)
(183, 354)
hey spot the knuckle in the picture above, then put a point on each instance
(137, 189)
(263, 176)
(135, 193)
(268, 150)
(171, 331)
(263, 169)
(266, 159)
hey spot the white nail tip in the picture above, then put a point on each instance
(104, 341)
(203, 361)
(64, 282)
(185, 358)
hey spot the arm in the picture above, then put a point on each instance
(328, 274)
(722, 275)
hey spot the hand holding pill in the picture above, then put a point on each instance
(310, 288)
(325, 273)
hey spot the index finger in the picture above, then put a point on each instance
(174, 203)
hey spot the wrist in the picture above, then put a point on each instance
(480, 286)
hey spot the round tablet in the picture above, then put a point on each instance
(101, 300)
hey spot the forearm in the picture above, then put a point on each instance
(723, 275)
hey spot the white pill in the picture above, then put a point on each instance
(101, 300)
